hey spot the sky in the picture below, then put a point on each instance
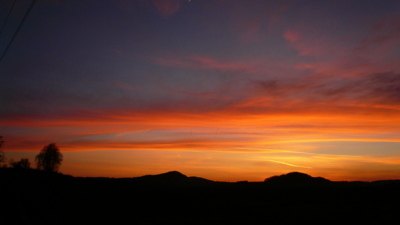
(227, 90)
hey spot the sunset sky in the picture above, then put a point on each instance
(227, 90)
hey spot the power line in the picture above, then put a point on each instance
(18, 28)
(8, 15)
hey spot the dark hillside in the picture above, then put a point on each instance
(35, 197)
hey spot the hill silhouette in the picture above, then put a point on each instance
(37, 197)
(172, 176)
(18, 175)
(297, 179)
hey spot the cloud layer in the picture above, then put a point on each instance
(285, 85)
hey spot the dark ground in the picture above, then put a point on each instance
(36, 197)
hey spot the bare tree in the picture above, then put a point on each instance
(49, 159)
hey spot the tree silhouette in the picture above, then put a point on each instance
(2, 157)
(22, 164)
(49, 159)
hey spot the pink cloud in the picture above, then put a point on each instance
(315, 47)
(166, 8)
(249, 30)
(125, 86)
(291, 36)
(205, 62)
(172, 62)
(126, 6)
(380, 47)
(376, 52)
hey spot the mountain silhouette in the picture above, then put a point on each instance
(296, 179)
(172, 178)
(168, 176)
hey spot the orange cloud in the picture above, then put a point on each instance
(226, 130)
(289, 164)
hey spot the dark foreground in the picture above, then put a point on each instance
(35, 197)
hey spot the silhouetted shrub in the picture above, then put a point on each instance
(22, 164)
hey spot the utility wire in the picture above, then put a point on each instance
(8, 15)
(19, 27)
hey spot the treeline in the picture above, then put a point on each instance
(49, 159)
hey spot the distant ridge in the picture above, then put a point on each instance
(177, 179)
